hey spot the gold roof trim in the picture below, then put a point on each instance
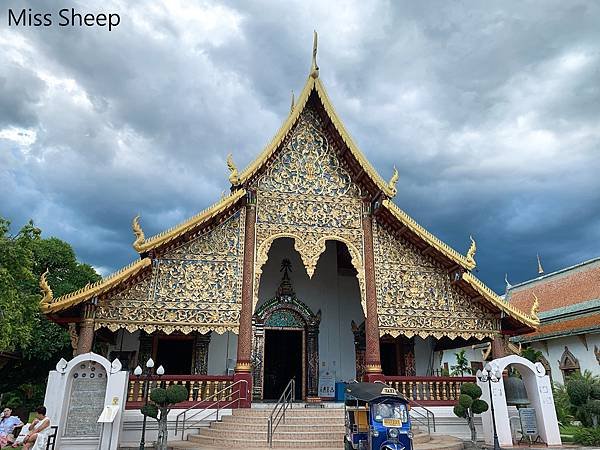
(528, 319)
(184, 227)
(316, 85)
(94, 289)
(427, 236)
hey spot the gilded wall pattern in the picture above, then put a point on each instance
(305, 194)
(194, 287)
(415, 296)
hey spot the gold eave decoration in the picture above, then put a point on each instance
(144, 245)
(91, 290)
(436, 243)
(46, 291)
(314, 83)
(527, 319)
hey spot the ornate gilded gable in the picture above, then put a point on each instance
(307, 165)
(415, 295)
(193, 287)
(306, 194)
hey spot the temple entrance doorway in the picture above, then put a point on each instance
(321, 307)
(175, 355)
(284, 350)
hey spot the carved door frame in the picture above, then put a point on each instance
(309, 325)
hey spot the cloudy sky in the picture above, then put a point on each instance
(490, 111)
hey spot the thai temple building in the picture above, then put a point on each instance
(568, 336)
(307, 269)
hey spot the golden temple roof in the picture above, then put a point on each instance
(436, 243)
(142, 245)
(51, 305)
(467, 262)
(314, 84)
(530, 320)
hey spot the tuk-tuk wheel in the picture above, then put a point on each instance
(347, 445)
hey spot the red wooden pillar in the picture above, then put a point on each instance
(86, 330)
(243, 367)
(499, 347)
(372, 358)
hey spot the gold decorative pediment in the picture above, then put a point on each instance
(193, 287)
(307, 195)
(416, 297)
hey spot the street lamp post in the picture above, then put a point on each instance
(491, 375)
(146, 376)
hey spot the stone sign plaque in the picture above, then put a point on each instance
(528, 422)
(86, 401)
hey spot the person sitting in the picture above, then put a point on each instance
(38, 432)
(8, 423)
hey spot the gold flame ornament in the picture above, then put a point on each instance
(46, 291)
(535, 307)
(139, 233)
(471, 252)
(234, 176)
(393, 181)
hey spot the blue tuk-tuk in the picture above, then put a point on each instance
(377, 418)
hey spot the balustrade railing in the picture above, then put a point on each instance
(430, 391)
(199, 387)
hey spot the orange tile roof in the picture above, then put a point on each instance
(560, 327)
(569, 287)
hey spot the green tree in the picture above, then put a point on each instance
(17, 297)
(469, 404)
(584, 396)
(161, 402)
(462, 365)
(531, 354)
(24, 330)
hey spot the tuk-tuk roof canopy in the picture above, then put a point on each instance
(368, 392)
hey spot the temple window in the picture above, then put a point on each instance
(568, 364)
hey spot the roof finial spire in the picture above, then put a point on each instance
(314, 70)
(540, 268)
(293, 103)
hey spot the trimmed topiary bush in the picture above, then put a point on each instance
(469, 404)
(162, 402)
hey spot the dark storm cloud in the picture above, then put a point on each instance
(490, 111)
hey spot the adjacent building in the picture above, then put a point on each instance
(569, 310)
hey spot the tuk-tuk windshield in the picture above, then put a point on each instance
(390, 411)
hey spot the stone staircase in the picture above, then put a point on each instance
(303, 428)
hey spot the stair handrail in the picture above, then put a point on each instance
(278, 413)
(217, 402)
(428, 413)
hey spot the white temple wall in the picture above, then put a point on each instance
(337, 296)
(423, 355)
(449, 356)
(554, 349)
(222, 353)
